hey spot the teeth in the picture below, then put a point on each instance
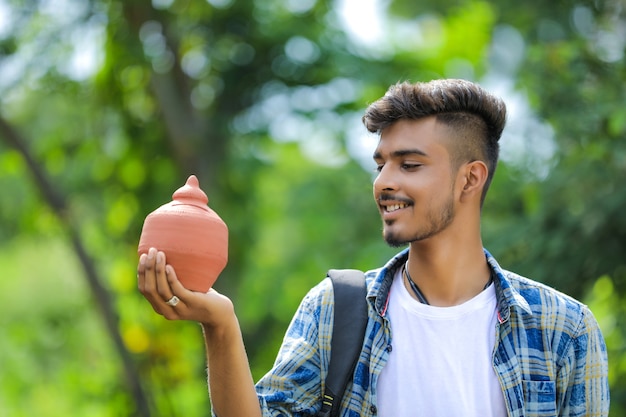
(395, 207)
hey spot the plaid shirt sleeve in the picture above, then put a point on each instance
(551, 356)
(583, 372)
(294, 384)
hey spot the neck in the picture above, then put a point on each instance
(447, 274)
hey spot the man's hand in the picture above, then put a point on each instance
(158, 283)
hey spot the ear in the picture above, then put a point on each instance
(472, 178)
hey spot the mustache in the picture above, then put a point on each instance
(390, 197)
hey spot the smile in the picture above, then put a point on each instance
(394, 207)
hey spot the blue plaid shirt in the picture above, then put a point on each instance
(550, 355)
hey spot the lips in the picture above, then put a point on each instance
(390, 204)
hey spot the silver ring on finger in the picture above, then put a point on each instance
(173, 301)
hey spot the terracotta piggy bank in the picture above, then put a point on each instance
(192, 236)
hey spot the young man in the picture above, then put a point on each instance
(450, 333)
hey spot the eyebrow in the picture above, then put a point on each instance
(400, 153)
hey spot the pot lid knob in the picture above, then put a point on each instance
(191, 191)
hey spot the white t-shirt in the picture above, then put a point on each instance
(440, 364)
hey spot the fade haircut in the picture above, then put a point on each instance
(474, 117)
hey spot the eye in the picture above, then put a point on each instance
(410, 166)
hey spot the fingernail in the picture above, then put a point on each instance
(168, 269)
(142, 259)
(159, 257)
(151, 253)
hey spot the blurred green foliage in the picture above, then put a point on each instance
(107, 106)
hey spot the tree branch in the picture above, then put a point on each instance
(58, 204)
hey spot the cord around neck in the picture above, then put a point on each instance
(418, 293)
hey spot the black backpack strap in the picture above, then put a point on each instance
(350, 320)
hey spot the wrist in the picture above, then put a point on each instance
(225, 327)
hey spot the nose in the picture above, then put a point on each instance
(385, 181)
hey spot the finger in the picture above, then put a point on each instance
(178, 289)
(147, 277)
(141, 271)
(149, 273)
(162, 285)
(179, 309)
(145, 272)
(174, 284)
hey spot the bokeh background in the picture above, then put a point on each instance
(106, 106)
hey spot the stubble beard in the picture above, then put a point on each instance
(436, 221)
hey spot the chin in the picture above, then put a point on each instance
(394, 240)
(396, 243)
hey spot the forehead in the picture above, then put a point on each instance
(424, 136)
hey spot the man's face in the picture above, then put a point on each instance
(414, 186)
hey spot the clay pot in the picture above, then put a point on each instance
(192, 236)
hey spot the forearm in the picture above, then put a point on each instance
(230, 381)
(231, 386)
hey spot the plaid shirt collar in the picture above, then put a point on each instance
(508, 297)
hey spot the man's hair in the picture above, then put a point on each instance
(475, 117)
